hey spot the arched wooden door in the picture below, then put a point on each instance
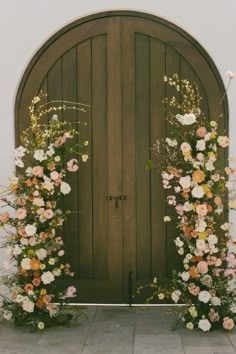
(115, 62)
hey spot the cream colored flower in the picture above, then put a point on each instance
(30, 230)
(204, 325)
(65, 188)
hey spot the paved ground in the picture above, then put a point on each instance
(112, 330)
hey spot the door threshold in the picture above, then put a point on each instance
(127, 305)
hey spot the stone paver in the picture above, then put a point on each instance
(116, 330)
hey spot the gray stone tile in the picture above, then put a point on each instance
(158, 344)
(199, 339)
(209, 350)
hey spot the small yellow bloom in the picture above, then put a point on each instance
(42, 266)
(213, 135)
(205, 188)
(213, 123)
(43, 291)
(202, 235)
(62, 266)
(211, 154)
(86, 143)
(41, 325)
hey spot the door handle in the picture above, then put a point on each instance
(116, 198)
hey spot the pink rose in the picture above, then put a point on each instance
(202, 266)
(228, 323)
(21, 213)
(48, 213)
(201, 132)
(4, 216)
(61, 253)
(179, 209)
(54, 175)
(201, 209)
(72, 165)
(37, 171)
(230, 75)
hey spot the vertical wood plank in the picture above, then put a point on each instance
(85, 205)
(100, 147)
(157, 131)
(69, 87)
(142, 154)
(128, 152)
(172, 258)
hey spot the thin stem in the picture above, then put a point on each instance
(226, 90)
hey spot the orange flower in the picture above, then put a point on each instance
(193, 272)
(28, 287)
(198, 176)
(39, 303)
(23, 272)
(51, 166)
(34, 263)
(36, 281)
(28, 182)
(47, 299)
(14, 293)
(196, 258)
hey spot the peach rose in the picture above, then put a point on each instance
(228, 323)
(201, 132)
(21, 213)
(217, 200)
(198, 176)
(201, 209)
(202, 266)
(37, 171)
(54, 175)
(4, 216)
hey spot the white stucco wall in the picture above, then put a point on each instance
(26, 24)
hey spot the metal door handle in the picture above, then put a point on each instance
(116, 198)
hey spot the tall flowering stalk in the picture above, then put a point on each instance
(32, 219)
(199, 194)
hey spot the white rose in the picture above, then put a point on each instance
(28, 171)
(197, 192)
(223, 141)
(179, 242)
(176, 295)
(65, 188)
(19, 163)
(215, 301)
(41, 254)
(166, 219)
(204, 296)
(186, 119)
(201, 245)
(188, 206)
(25, 263)
(181, 251)
(212, 239)
(185, 276)
(40, 155)
(20, 151)
(28, 306)
(210, 165)
(185, 147)
(207, 137)
(204, 325)
(201, 145)
(38, 202)
(47, 277)
(185, 182)
(30, 230)
(201, 225)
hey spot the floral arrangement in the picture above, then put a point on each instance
(32, 219)
(199, 195)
